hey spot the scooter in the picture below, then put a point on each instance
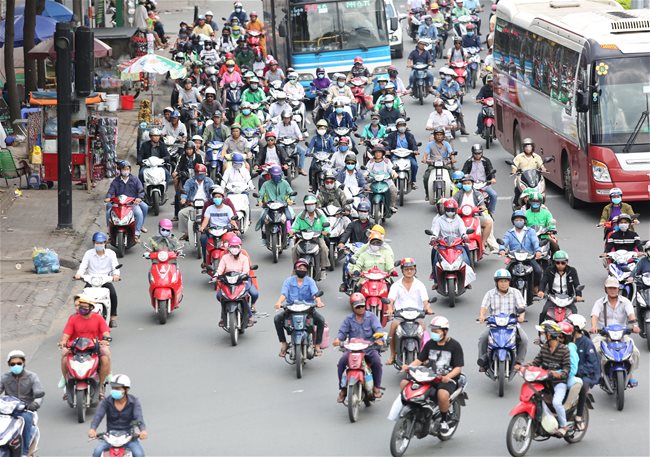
(489, 133)
(321, 105)
(11, 427)
(346, 254)
(408, 337)
(621, 265)
(253, 39)
(462, 75)
(252, 137)
(121, 224)
(402, 165)
(522, 272)
(416, 411)
(374, 289)
(238, 195)
(289, 146)
(214, 248)
(235, 303)
(379, 205)
(474, 64)
(195, 224)
(439, 184)
(414, 23)
(321, 162)
(82, 379)
(298, 113)
(358, 86)
(117, 439)
(470, 216)
(309, 249)
(421, 87)
(642, 305)
(616, 353)
(480, 187)
(299, 324)
(563, 305)
(338, 221)
(453, 274)
(155, 183)
(100, 296)
(533, 418)
(275, 227)
(452, 104)
(530, 179)
(165, 283)
(213, 159)
(502, 348)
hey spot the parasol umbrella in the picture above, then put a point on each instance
(153, 63)
(45, 27)
(54, 10)
(46, 49)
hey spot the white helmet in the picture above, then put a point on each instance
(168, 108)
(16, 354)
(615, 191)
(578, 321)
(217, 190)
(210, 90)
(209, 13)
(121, 380)
(281, 95)
(197, 138)
(439, 322)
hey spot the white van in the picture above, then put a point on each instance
(395, 28)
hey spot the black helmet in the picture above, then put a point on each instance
(196, 39)
(329, 174)
(477, 149)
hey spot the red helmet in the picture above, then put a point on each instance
(356, 299)
(344, 140)
(200, 168)
(358, 60)
(450, 203)
(470, 26)
(566, 327)
(230, 55)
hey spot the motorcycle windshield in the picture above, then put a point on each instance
(531, 178)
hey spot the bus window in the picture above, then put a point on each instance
(526, 57)
(315, 27)
(364, 24)
(502, 45)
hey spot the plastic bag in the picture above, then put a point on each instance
(45, 261)
(395, 408)
(326, 337)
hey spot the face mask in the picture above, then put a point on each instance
(382, 86)
(623, 227)
(470, 34)
(237, 166)
(84, 311)
(435, 336)
(617, 200)
(448, 78)
(536, 205)
(16, 369)
(363, 216)
(343, 148)
(100, 247)
(217, 201)
(238, 10)
(245, 112)
(339, 110)
(165, 233)
(276, 179)
(340, 84)
(321, 75)
(401, 129)
(350, 166)
(235, 250)
(450, 214)
(374, 121)
(375, 247)
(254, 86)
(301, 274)
(467, 187)
(322, 132)
(200, 177)
(519, 224)
(310, 208)
(125, 173)
(388, 105)
(329, 185)
(117, 394)
(230, 70)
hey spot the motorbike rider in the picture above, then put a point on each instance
(244, 54)
(615, 309)
(253, 93)
(322, 141)
(86, 324)
(269, 153)
(528, 159)
(436, 150)
(276, 189)
(186, 164)
(321, 81)
(153, 148)
(614, 208)
(457, 53)
(559, 278)
(129, 185)
(238, 173)
(209, 19)
(312, 219)
(294, 89)
(643, 265)
(554, 356)
(197, 75)
(443, 226)
(396, 80)
(471, 39)
(364, 325)
(420, 56)
(247, 119)
(195, 188)
(428, 30)
(288, 128)
(356, 232)
(378, 254)
(210, 105)
(380, 164)
(342, 151)
(166, 119)
(26, 387)
(441, 117)
(374, 129)
(406, 292)
(175, 129)
(468, 196)
(339, 117)
(226, 43)
(239, 13)
(331, 193)
(231, 75)
(445, 356)
(188, 94)
(218, 214)
(588, 367)
(520, 237)
(624, 237)
(165, 240)
(457, 11)
(358, 69)
(274, 73)
(299, 287)
(388, 114)
(217, 131)
(502, 299)
(486, 91)
(122, 411)
(403, 138)
(480, 168)
(258, 26)
(101, 261)
(449, 88)
(279, 105)
(235, 142)
(379, 87)
(202, 27)
(538, 215)
(350, 176)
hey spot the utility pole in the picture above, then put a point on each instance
(63, 45)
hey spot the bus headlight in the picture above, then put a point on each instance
(600, 171)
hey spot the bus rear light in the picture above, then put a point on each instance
(600, 171)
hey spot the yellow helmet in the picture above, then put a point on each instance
(375, 236)
(434, 6)
(378, 229)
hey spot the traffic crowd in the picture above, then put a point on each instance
(240, 116)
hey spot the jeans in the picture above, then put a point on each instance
(429, 78)
(414, 168)
(28, 417)
(134, 446)
(113, 294)
(558, 399)
(479, 122)
(522, 345)
(434, 261)
(319, 322)
(302, 152)
(139, 212)
(372, 357)
(492, 207)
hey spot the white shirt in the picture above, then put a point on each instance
(443, 119)
(272, 156)
(242, 175)
(415, 4)
(93, 263)
(520, 234)
(288, 131)
(413, 298)
(175, 132)
(351, 179)
(276, 108)
(200, 193)
(468, 199)
(616, 315)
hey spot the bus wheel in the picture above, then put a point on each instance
(568, 184)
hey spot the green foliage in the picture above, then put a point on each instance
(627, 4)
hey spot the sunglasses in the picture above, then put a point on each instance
(560, 263)
(162, 230)
(270, 139)
(15, 363)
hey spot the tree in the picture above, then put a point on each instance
(29, 28)
(10, 68)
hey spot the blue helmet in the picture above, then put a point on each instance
(518, 213)
(99, 237)
(364, 206)
(457, 175)
(237, 158)
(502, 273)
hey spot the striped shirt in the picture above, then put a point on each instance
(559, 360)
(507, 303)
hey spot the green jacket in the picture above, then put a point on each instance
(607, 211)
(272, 192)
(250, 96)
(248, 122)
(364, 248)
(542, 217)
(397, 104)
(161, 243)
(367, 133)
(384, 260)
(302, 224)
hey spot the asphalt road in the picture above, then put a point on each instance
(203, 397)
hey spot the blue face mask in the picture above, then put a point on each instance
(245, 112)
(339, 110)
(217, 201)
(343, 148)
(467, 187)
(470, 33)
(617, 200)
(276, 178)
(435, 336)
(117, 394)
(459, 185)
(536, 205)
(16, 369)
(350, 167)
(519, 224)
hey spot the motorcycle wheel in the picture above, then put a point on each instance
(332, 256)
(299, 362)
(155, 203)
(474, 258)
(575, 436)
(451, 291)
(501, 376)
(354, 401)
(408, 357)
(517, 441)
(453, 420)
(197, 243)
(215, 265)
(488, 138)
(402, 434)
(420, 97)
(162, 312)
(401, 191)
(120, 244)
(81, 405)
(474, 79)
(620, 390)
(275, 250)
(232, 328)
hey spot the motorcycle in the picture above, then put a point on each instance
(473, 66)
(298, 113)
(502, 348)
(357, 377)
(462, 75)
(419, 414)
(616, 353)
(253, 38)
(165, 283)
(100, 296)
(346, 253)
(117, 439)
(321, 105)
(374, 289)
(299, 324)
(11, 428)
(530, 179)
(421, 87)
(214, 248)
(175, 148)
(289, 145)
(252, 137)
(233, 102)
(439, 184)
(641, 304)
(402, 164)
(195, 221)
(544, 245)
(563, 305)
(460, 23)
(408, 337)
(194, 122)
(378, 188)
(321, 162)
(235, 303)
(358, 86)
(338, 221)
(452, 105)
(82, 379)
(533, 418)
(453, 274)
(480, 187)
(213, 159)
(489, 133)
(470, 216)
(522, 272)
(155, 183)
(442, 38)
(121, 224)
(309, 249)
(621, 265)
(354, 194)
(274, 227)
(238, 195)
(414, 22)
(369, 143)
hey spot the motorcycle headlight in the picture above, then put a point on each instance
(501, 321)
(126, 220)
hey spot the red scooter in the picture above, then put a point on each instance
(121, 224)
(235, 303)
(358, 85)
(254, 38)
(82, 381)
(214, 249)
(358, 375)
(451, 269)
(460, 68)
(165, 283)
(374, 289)
(469, 215)
(489, 128)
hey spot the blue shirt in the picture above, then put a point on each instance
(131, 188)
(191, 187)
(351, 328)
(219, 217)
(322, 143)
(416, 57)
(450, 88)
(529, 243)
(428, 31)
(296, 293)
(432, 151)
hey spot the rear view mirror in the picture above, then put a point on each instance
(320, 293)
(254, 267)
(256, 195)
(470, 231)
(352, 261)
(294, 193)
(385, 301)
(433, 299)
(326, 224)
(394, 23)
(500, 241)
(396, 264)
(509, 162)
(428, 232)
(582, 102)
(580, 288)
(549, 159)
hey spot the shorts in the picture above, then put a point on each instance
(448, 386)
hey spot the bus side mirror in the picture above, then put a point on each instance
(282, 31)
(394, 23)
(582, 102)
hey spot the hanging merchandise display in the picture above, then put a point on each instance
(103, 146)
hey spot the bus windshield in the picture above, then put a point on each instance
(336, 26)
(620, 97)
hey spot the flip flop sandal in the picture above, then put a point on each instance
(318, 352)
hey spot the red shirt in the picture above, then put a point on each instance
(80, 327)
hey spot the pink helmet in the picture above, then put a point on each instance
(253, 13)
(234, 241)
(165, 224)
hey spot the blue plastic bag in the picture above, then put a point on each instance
(45, 261)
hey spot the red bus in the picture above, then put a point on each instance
(574, 75)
